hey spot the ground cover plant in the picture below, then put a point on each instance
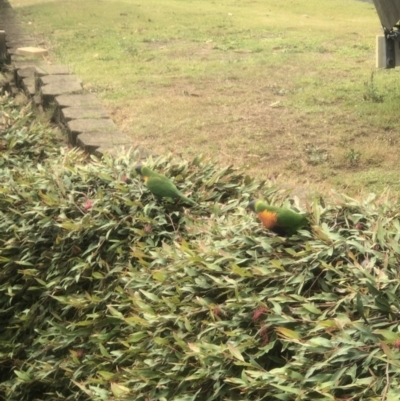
(106, 294)
(286, 90)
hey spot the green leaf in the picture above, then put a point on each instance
(119, 390)
(240, 271)
(382, 303)
(150, 296)
(286, 389)
(311, 308)
(103, 351)
(23, 263)
(23, 375)
(159, 276)
(288, 333)
(136, 337)
(320, 342)
(114, 312)
(387, 334)
(105, 374)
(235, 352)
(360, 307)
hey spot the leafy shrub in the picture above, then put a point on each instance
(107, 294)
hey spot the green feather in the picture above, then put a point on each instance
(288, 221)
(161, 186)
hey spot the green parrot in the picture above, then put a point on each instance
(161, 186)
(279, 220)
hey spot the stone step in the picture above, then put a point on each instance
(76, 113)
(98, 143)
(81, 100)
(55, 79)
(59, 87)
(91, 125)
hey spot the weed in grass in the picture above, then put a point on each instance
(294, 166)
(353, 157)
(371, 92)
(315, 154)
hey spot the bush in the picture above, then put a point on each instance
(107, 294)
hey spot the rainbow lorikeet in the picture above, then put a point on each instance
(279, 220)
(160, 185)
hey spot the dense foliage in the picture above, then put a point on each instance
(107, 294)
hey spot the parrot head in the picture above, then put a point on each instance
(138, 168)
(252, 205)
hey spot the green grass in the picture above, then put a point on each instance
(249, 83)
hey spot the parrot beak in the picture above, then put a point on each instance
(251, 205)
(138, 168)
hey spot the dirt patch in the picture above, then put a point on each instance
(258, 132)
(188, 119)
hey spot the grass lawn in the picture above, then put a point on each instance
(288, 90)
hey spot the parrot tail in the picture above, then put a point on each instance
(188, 200)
